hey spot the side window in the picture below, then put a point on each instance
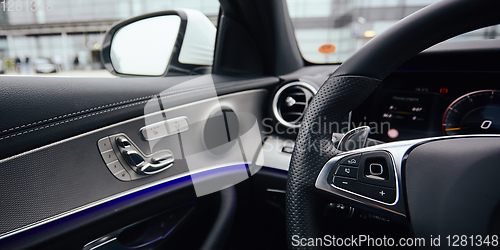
(65, 37)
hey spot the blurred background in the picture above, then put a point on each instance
(66, 39)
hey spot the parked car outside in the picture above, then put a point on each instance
(44, 65)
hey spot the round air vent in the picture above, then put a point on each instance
(291, 101)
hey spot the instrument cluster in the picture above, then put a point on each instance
(419, 105)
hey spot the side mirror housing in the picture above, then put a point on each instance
(178, 42)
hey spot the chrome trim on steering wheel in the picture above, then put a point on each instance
(398, 152)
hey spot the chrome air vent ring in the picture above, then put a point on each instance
(291, 101)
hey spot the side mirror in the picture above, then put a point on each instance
(178, 42)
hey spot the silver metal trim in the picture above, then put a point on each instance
(106, 151)
(331, 163)
(359, 132)
(143, 130)
(398, 152)
(276, 191)
(178, 131)
(166, 124)
(276, 98)
(349, 121)
(116, 196)
(272, 156)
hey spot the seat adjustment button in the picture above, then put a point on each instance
(177, 125)
(123, 175)
(104, 144)
(134, 158)
(123, 142)
(154, 131)
(115, 167)
(109, 156)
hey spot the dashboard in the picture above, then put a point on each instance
(449, 89)
(412, 105)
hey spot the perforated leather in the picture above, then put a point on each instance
(313, 148)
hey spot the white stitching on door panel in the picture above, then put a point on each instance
(101, 112)
(99, 107)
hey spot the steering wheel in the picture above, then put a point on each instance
(440, 186)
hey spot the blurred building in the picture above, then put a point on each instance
(349, 24)
(75, 28)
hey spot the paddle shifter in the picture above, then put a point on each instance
(354, 139)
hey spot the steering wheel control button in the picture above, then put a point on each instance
(347, 171)
(338, 211)
(376, 168)
(109, 156)
(115, 167)
(383, 194)
(345, 183)
(352, 160)
(123, 175)
(178, 125)
(123, 142)
(104, 144)
(154, 131)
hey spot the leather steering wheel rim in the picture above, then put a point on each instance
(352, 83)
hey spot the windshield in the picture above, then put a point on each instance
(330, 31)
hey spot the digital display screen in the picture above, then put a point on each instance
(401, 115)
(405, 109)
(412, 105)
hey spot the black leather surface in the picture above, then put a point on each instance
(452, 186)
(471, 56)
(314, 75)
(313, 148)
(40, 110)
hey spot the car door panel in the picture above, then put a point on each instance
(54, 177)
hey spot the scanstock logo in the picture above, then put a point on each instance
(205, 133)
